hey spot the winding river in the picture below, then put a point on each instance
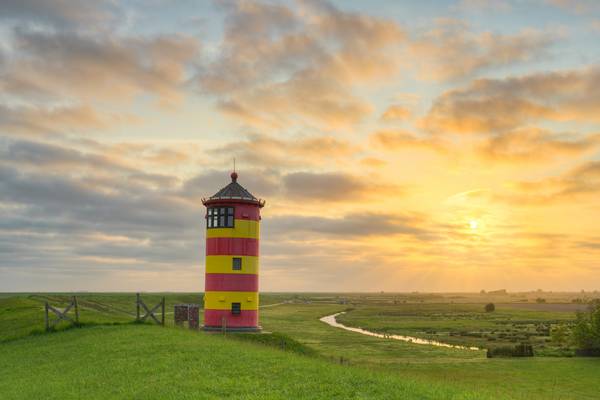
(330, 320)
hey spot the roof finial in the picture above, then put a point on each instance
(234, 174)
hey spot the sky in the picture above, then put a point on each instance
(400, 146)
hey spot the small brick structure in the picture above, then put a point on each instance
(189, 313)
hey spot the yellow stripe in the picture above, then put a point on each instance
(243, 229)
(223, 300)
(224, 265)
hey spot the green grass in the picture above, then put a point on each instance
(21, 314)
(536, 378)
(465, 324)
(146, 361)
(149, 362)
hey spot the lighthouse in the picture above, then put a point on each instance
(231, 279)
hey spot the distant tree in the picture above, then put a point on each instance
(559, 334)
(586, 332)
(490, 307)
(540, 300)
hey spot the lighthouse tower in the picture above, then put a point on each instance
(231, 280)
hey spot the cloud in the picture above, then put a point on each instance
(61, 13)
(50, 156)
(533, 144)
(491, 106)
(87, 68)
(68, 82)
(85, 217)
(373, 162)
(279, 64)
(577, 183)
(582, 180)
(61, 208)
(452, 50)
(396, 112)
(593, 244)
(267, 151)
(334, 186)
(576, 6)
(260, 182)
(391, 140)
(99, 167)
(57, 120)
(359, 224)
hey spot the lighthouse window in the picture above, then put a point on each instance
(236, 308)
(220, 217)
(237, 264)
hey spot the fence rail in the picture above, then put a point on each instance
(149, 312)
(61, 315)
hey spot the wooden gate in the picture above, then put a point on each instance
(62, 315)
(150, 312)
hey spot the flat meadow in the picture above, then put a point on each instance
(298, 356)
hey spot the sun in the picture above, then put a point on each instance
(474, 224)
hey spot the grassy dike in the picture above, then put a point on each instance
(149, 362)
(132, 361)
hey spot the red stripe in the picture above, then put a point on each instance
(247, 318)
(231, 246)
(231, 283)
(247, 211)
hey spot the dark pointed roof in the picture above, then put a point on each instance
(233, 191)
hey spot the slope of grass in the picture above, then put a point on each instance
(447, 373)
(149, 362)
(526, 379)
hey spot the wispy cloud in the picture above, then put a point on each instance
(280, 64)
(452, 50)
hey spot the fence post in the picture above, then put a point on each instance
(137, 304)
(46, 319)
(163, 311)
(224, 324)
(76, 310)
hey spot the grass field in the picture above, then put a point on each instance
(469, 324)
(535, 378)
(20, 314)
(146, 362)
(175, 363)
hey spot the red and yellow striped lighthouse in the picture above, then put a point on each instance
(231, 280)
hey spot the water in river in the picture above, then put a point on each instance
(330, 320)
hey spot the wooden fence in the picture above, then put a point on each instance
(149, 312)
(62, 315)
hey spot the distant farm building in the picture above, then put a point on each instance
(231, 280)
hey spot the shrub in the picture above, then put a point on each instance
(490, 307)
(559, 334)
(588, 353)
(586, 332)
(520, 350)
